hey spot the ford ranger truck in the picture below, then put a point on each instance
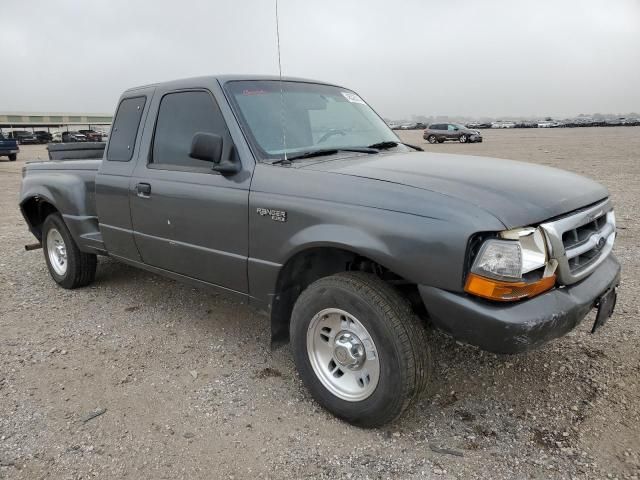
(296, 196)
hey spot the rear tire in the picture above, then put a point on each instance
(68, 266)
(432, 139)
(387, 361)
(13, 157)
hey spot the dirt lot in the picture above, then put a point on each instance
(192, 390)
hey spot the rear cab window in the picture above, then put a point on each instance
(125, 129)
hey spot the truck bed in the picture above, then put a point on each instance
(75, 151)
(79, 164)
(70, 186)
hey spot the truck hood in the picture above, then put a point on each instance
(517, 193)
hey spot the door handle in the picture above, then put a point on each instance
(143, 190)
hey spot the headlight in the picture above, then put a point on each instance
(514, 266)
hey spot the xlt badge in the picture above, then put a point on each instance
(277, 215)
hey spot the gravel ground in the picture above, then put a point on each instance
(141, 377)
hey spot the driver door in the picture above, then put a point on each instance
(188, 218)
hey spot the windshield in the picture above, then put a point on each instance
(304, 117)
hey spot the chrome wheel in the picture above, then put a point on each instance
(57, 252)
(432, 139)
(343, 355)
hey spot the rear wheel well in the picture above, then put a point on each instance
(310, 265)
(35, 211)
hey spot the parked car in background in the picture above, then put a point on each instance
(503, 124)
(550, 124)
(92, 135)
(73, 137)
(476, 125)
(23, 137)
(56, 137)
(9, 148)
(526, 124)
(632, 122)
(43, 137)
(439, 132)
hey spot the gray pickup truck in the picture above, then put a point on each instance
(297, 197)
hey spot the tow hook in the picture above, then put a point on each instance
(33, 246)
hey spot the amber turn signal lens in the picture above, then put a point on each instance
(506, 291)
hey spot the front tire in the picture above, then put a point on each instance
(359, 348)
(13, 157)
(432, 139)
(68, 266)
(463, 138)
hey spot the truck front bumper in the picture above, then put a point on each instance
(521, 326)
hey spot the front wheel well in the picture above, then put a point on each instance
(312, 264)
(35, 211)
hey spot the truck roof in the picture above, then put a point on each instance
(222, 79)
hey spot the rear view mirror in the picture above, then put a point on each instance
(207, 147)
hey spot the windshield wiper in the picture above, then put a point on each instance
(323, 152)
(391, 144)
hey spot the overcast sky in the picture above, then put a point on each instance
(476, 58)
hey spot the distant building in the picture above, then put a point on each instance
(30, 120)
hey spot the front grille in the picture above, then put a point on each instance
(581, 236)
(575, 236)
(580, 241)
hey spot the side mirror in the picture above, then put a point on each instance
(207, 147)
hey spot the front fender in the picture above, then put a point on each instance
(419, 235)
(344, 237)
(424, 251)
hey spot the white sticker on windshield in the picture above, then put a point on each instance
(352, 97)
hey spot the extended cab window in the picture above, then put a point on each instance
(125, 129)
(180, 116)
